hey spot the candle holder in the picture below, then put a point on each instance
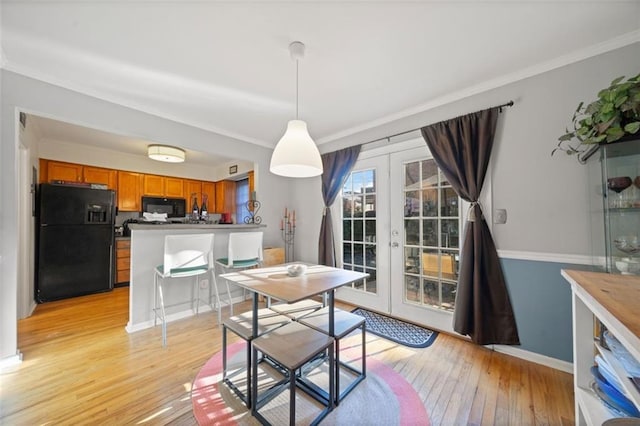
(288, 231)
(252, 207)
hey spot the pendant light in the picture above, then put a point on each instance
(296, 155)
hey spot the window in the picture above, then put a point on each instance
(359, 227)
(431, 236)
(242, 198)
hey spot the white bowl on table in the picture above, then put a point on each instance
(296, 269)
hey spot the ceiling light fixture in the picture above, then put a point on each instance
(296, 155)
(166, 153)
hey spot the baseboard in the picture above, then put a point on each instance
(32, 307)
(547, 361)
(11, 361)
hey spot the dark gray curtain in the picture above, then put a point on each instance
(461, 147)
(336, 168)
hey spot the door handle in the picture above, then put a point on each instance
(395, 245)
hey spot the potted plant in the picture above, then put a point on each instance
(614, 115)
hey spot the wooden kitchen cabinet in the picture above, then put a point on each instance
(225, 196)
(174, 187)
(153, 185)
(252, 183)
(129, 191)
(162, 186)
(123, 261)
(101, 175)
(193, 188)
(209, 189)
(58, 170)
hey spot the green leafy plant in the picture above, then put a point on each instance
(615, 114)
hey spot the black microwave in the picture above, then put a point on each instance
(173, 207)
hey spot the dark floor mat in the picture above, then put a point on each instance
(396, 330)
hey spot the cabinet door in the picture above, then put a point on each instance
(108, 177)
(193, 188)
(129, 191)
(252, 185)
(153, 185)
(209, 189)
(57, 170)
(174, 187)
(225, 196)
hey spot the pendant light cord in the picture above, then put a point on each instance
(297, 88)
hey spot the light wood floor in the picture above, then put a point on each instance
(81, 367)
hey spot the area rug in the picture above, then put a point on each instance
(397, 331)
(383, 398)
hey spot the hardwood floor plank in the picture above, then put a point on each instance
(81, 367)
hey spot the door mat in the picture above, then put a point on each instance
(397, 331)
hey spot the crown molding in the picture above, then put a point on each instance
(571, 58)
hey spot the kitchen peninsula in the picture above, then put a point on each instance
(147, 251)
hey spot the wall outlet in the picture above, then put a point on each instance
(500, 216)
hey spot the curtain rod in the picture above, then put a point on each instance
(508, 104)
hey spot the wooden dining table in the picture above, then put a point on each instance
(275, 283)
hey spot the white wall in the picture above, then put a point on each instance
(26, 221)
(33, 96)
(547, 198)
(101, 157)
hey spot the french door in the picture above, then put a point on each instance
(400, 222)
(362, 229)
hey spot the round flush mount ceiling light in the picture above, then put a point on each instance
(166, 153)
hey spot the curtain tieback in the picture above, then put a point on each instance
(324, 210)
(471, 213)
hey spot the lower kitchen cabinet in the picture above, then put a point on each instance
(123, 261)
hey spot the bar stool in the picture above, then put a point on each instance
(291, 347)
(185, 255)
(343, 324)
(244, 251)
(242, 326)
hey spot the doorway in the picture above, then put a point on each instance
(399, 220)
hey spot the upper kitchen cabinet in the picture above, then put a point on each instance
(129, 191)
(153, 185)
(162, 186)
(225, 196)
(209, 190)
(252, 184)
(174, 187)
(108, 177)
(202, 190)
(193, 188)
(58, 170)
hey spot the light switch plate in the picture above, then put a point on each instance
(500, 216)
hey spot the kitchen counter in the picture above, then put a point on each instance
(230, 226)
(147, 251)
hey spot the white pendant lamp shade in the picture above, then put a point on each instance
(296, 155)
(166, 153)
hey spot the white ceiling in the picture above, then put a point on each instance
(225, 66)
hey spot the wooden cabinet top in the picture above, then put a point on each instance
(613, 298)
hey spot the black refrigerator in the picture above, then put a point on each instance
(75, 241)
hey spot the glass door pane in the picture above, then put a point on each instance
(364, 203)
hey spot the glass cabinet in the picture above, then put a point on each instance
(620, 164)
